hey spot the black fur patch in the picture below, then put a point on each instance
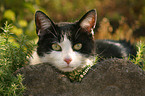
(78, 32)
(117, 49)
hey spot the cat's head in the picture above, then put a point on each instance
(67, 46)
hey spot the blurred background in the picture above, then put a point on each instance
(117, 19)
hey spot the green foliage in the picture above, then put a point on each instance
(78, 75)
(140, 57)
(12, 57)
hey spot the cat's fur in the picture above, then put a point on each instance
(67, 35)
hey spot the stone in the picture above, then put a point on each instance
(111, 77)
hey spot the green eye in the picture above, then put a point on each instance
(56, 47)
(78, 46)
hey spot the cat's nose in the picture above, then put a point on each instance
(67, 60)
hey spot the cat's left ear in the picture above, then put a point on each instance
(88, 21)
(42, 22)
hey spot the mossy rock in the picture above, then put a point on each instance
(111, 77)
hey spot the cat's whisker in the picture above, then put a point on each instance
(100, 54)
(77, 33)
(51, 33)
(54, 30)
(62, 37)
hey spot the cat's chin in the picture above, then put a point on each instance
(67, 69)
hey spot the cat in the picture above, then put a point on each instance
(71, 46)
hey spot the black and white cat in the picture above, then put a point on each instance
(69, 46)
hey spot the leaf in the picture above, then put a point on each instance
(9, 14)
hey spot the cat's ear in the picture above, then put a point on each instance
(42, 21)
(88, 21)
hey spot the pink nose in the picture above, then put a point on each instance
(67, 60)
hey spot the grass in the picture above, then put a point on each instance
(13, 55)
(140, 57)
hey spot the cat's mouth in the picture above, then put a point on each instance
(67, 69)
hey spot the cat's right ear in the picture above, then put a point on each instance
(88, 21)
(42, 22)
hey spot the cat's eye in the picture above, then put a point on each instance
(56, 47)
(77, 46)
